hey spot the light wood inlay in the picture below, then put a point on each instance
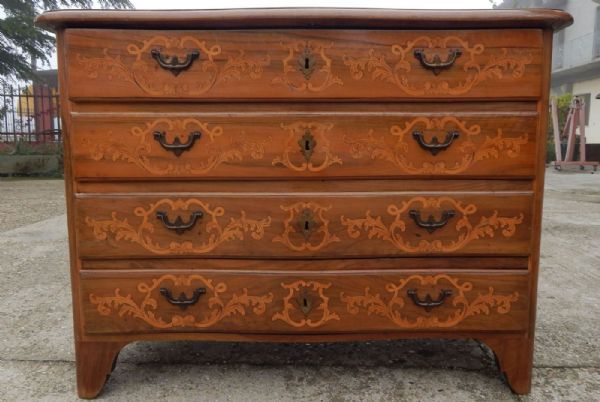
(304, 175)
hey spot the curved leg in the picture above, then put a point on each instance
(95, 362)
(515, 358)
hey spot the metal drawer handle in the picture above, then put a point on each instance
(179, 226)
(436, 64)
(177, 147)
(172, 63)
(434, 146)
(428, 303)
(431, 225)
(182, 301)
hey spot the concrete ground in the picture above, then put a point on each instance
(36, 348)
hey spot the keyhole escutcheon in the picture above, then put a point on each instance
(305, 304)
(306, 223)
(306, 63)
(307, 144)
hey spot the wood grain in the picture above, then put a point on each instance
(424, 184)
(326, 225)
(266, 64)
(305, 303)
(321, 17)
(338, 241)
(272, 146)
(95, 362)
(353, 264)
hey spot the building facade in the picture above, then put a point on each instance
(576, 55)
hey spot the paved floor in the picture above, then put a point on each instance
(36, 351)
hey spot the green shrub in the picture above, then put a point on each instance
(30, 148)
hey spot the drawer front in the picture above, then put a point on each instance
(304, 225)
(289, 145)
(298, 64)
(283, 302)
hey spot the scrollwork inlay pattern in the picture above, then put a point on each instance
(217, 308)
(477, 71)
(461, 306)
(143, 154)
(321, 158)
(288, 307)
(143, 71)
(290, 227)
(320, 79)
(466, 229)
(216, 228)
(467, 147)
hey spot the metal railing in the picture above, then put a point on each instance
(30, 114)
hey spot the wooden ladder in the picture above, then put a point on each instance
(575, 120)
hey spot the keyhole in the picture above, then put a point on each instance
(305, 305)
(306, 227)
(307, 145)
(306, 63)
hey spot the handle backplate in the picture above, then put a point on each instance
(172, 63)
(428, 303)
(179, 226)
(182, 301)
(436, 65)
(177, 147)
(434, 146)
(431, 225)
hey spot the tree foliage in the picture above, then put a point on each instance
(21, 42)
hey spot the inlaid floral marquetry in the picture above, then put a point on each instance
(217, 227)
(307, 67)
(219, 304)
(478, 65)
(302, 299)
(144, 153)
(462, 221)
(462, 152)
(307, 148)
(463, 303)
(306, 227)
(213, 66)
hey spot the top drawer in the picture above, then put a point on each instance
(304, 64)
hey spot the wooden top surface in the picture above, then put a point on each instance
(264, 18)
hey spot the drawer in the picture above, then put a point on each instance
(286, 301)
(300, 64)
(305, 225)
(287, 144)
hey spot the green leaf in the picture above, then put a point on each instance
(21, 42)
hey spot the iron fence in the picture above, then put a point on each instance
(30, 114)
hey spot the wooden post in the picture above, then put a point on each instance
(582, 140)
(572, 127)
(555, 129)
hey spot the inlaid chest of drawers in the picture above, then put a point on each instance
(304, 175)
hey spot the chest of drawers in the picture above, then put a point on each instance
(304, 175)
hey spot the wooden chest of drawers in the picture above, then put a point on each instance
(304, 175)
